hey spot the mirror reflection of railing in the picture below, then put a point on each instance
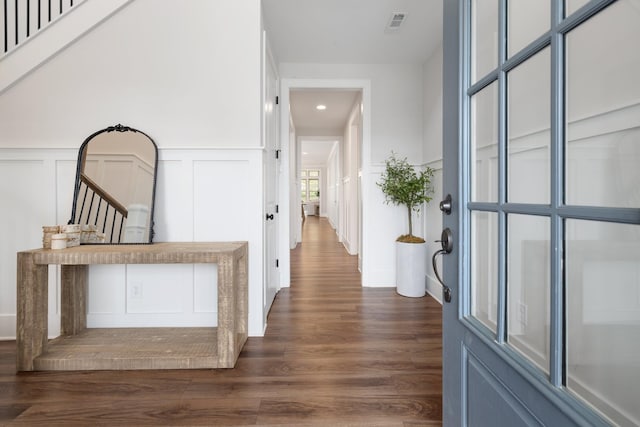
(115, 184)
(106, 212)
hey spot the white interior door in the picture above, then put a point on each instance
(541, 155)
(271, 161)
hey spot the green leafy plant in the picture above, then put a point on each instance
(403, 185)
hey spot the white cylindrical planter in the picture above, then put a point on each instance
(411, 269)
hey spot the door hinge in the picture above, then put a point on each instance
(277, 209)
(277, 100)
(277, 263)
(277, 154)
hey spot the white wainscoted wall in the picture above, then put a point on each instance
(202, 195)
(431, 219)
(37, 189)
(195, 88)
(432, 146)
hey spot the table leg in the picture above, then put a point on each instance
(233, 306)
(242, 298)
(226, 317)
(73, 297)
(32, 311)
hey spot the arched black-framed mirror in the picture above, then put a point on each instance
(115, 185)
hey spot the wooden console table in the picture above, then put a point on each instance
(79, 348)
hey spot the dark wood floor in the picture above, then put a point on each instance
(334, 354)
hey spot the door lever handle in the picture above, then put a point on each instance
(446, 240)
(446, 291)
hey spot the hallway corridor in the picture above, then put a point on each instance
(370, 356)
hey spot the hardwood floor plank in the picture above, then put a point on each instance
(334, 354)
(343, 408)
(310, 386)
(103, 386)
(176, 412)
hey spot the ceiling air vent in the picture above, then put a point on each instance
(396, 20)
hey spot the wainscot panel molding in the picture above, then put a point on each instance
(207, 194)
(389, 221)
(29, 183)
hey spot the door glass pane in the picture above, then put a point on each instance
(603, 316)
(527, 20)
(528, 287)
(484, 144)
(529, 98)
(603, 109)
(484, 268)
(573, 5)
(314, 188)
(303, 189)
(484, 38)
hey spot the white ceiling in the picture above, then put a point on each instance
(352, 31)
(315, 153)
(310, 121)
(346, 32)
(308, 118)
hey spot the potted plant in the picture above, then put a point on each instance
(402, 185)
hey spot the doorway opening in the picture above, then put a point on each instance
(328, 125)
(326, 148)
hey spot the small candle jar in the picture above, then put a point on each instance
(59, 241)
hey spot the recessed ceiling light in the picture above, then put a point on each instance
(321, 107)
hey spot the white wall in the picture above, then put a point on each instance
(432, 143)
(351, 171)
(395, 121)
(51, 37)
(295, 212)
(396, 113)
(155, 66)
(432, 115)
(333, 185)
(195, 88)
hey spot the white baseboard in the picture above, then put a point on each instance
(434, 289)
(7, 327)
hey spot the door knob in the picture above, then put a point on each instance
(269, 216)
(446, 240)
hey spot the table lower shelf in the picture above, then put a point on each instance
(132, 348)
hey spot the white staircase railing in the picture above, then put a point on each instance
(22, 19)
(36, 30)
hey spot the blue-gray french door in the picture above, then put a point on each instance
(541, 107)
